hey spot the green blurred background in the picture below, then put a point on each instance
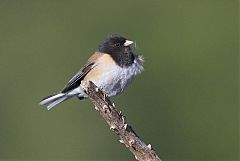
(185, 103)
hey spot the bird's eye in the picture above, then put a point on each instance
(117, 44)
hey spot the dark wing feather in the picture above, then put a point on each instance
(77, 78)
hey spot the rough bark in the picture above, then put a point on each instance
(117, 122)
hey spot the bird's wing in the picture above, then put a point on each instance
(75, 81)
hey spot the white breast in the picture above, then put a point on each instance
(118, 78)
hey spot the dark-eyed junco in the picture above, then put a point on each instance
(112, 67)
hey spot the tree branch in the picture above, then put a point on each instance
(118, 124)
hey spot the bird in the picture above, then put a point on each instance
(112, 67)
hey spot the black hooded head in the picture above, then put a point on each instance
(119, 48)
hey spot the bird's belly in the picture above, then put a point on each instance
(115, 80)
(111, 78)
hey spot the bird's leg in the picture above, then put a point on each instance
(80, 97)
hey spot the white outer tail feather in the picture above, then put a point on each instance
(54, 100)
(48, 100)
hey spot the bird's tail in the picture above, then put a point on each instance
(54, 100)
